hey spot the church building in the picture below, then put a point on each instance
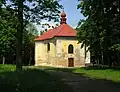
(59, 47)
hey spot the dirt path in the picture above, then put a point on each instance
(80, 83)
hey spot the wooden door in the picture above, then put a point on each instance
(70, 62)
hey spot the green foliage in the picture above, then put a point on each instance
(8, 24)
(7, 32)
(30, 11)
(36, 10)
(29, 35)
(100, 31)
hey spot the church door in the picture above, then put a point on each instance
(70, 62)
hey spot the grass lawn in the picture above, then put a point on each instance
(29, 80)
(93, 72)
(108, 74)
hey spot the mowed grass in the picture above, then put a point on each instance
(29, 80)
(92, 72)
(99, 73)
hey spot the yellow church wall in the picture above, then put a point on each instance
(39, 52)
(52, 49)
(78, 55)
(58, 54)
(42, 56)
(52, 53)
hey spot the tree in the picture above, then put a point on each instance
(7, 33)
(29, 35)
(8, 25)
(100, 30)
(40, 9)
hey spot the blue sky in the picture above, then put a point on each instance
(73, 14)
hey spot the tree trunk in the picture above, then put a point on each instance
(110, 59)
(3, 60)
(19, 37)
(30, 59)
(102, 61)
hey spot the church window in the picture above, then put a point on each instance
(70, 49)
(48, 47)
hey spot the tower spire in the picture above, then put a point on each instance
(63, 17)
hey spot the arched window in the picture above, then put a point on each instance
(48, 47)
(70, 48)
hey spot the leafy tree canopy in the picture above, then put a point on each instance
(100, 31)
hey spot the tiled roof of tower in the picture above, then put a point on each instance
(62, 30)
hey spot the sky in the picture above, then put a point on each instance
(73, 14)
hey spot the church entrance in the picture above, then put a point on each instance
(70, 62)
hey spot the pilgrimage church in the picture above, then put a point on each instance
(59, 47)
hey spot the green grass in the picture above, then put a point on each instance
(108, 74)
(92, 72)
(29, 80)
(34, 79)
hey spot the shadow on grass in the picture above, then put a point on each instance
(87, 68)
(83, 82)
(29, 80)
(97, 67)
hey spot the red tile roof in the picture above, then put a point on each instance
(62, 30)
